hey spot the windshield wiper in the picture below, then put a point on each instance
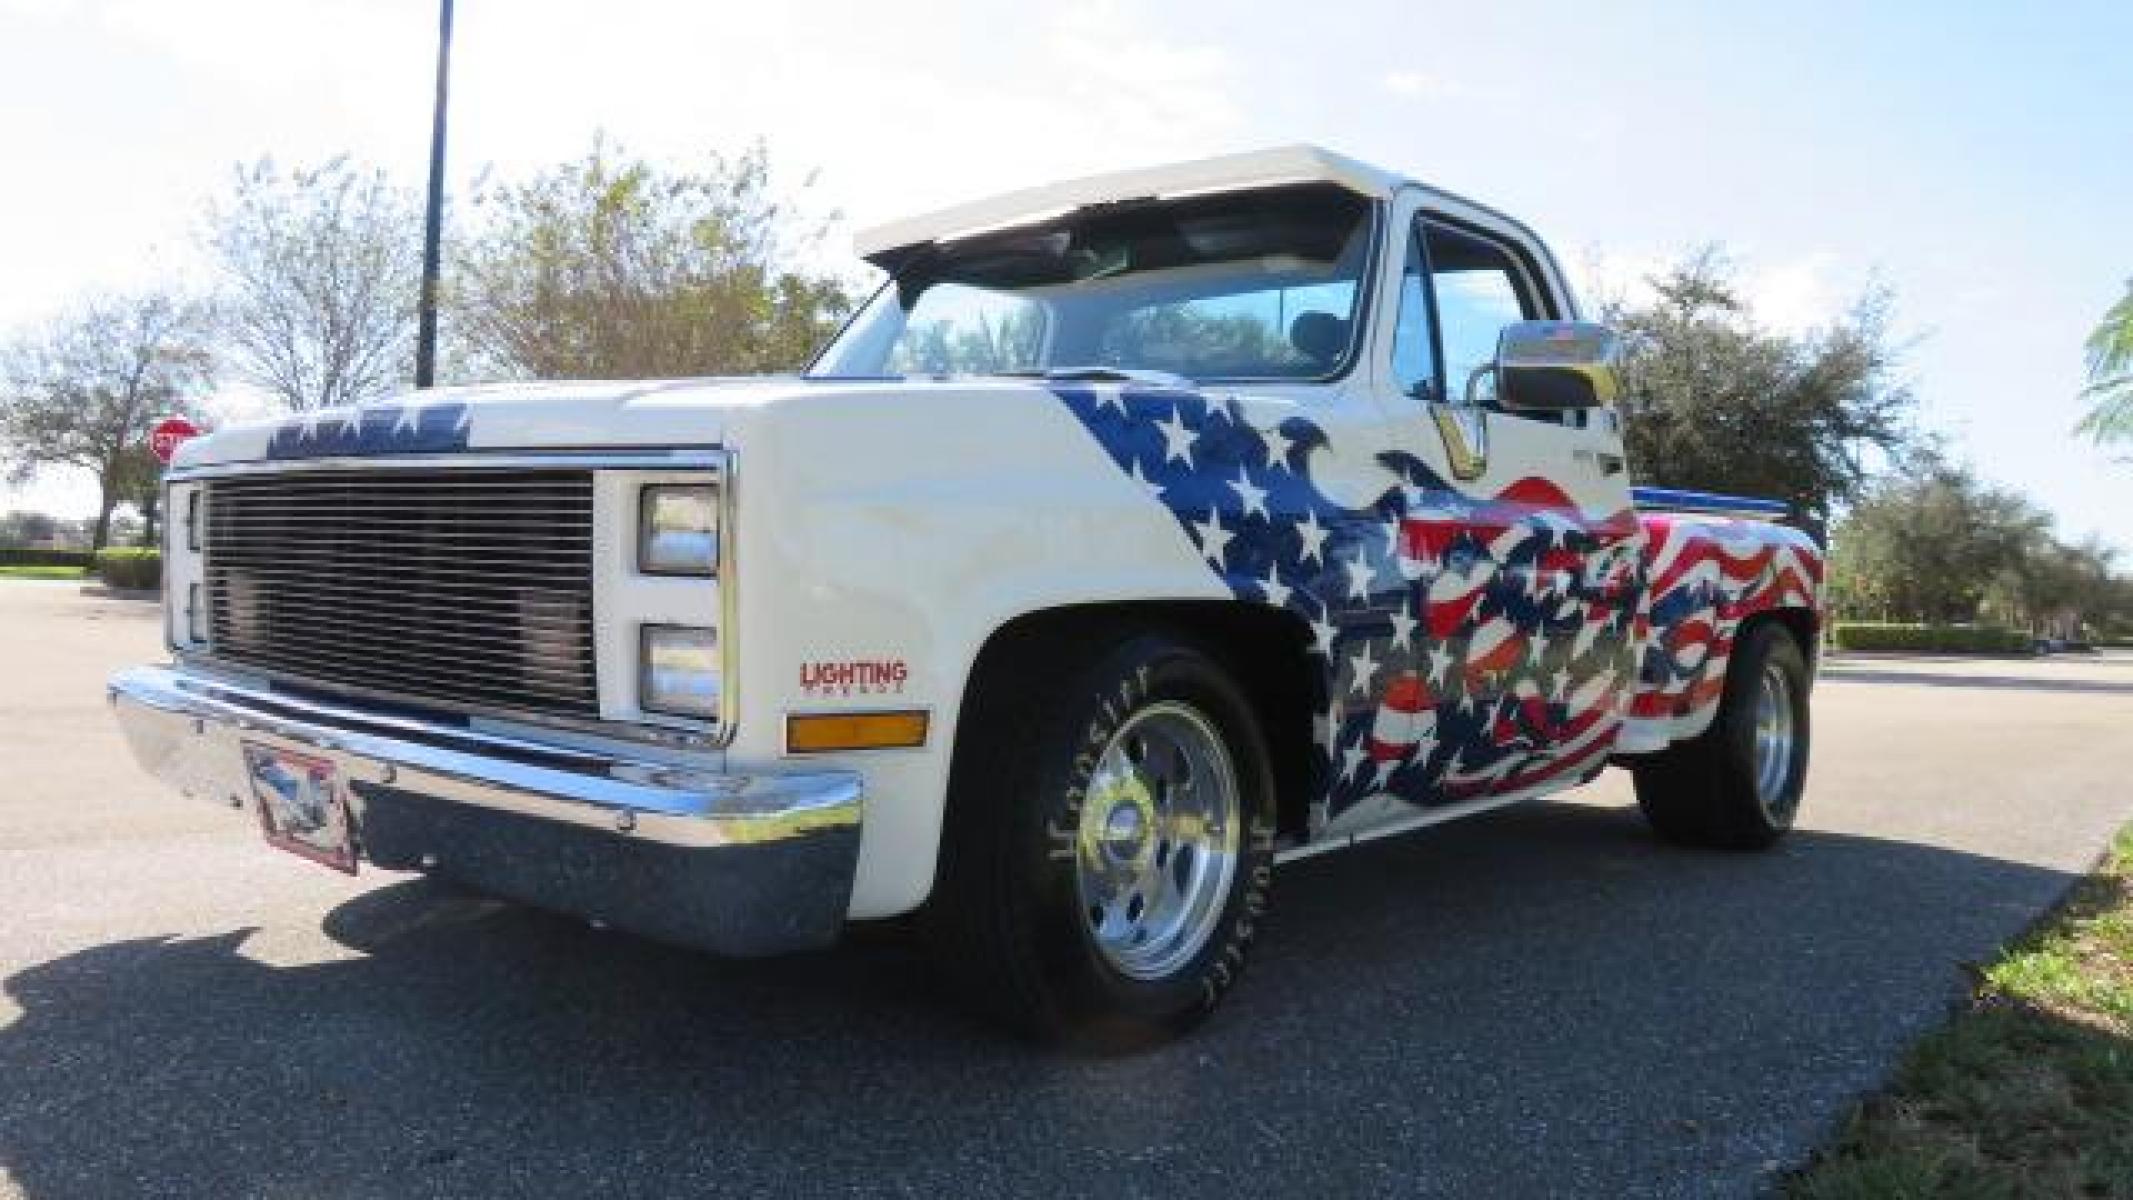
(1100, 374)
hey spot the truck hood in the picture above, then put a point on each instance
(522, 416)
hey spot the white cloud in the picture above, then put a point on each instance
(1798, 294)
(1430, 85)
(1417, 83)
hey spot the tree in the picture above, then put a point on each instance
(1930, 543)
(140, 484)
(27, 528)
(321, 273)
(84, 392)
(1935, 543)
(611, 267)
(2110, 389)
(1713, 401)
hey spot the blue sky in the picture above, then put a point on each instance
(1978, 159)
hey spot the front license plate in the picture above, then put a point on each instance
(301, 805)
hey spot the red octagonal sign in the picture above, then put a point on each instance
(169, 432)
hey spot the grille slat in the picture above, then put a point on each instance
(347, 629)
(480, 579)
(468, 587)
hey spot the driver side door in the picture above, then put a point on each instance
(1516, 536)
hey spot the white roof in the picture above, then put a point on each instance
(1282, 164)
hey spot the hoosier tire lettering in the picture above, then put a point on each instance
(1109, 850)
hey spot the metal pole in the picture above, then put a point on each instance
(433, 220)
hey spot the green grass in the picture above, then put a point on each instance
(22, 572)
(2029, 1091)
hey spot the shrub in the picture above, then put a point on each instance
(130, 567)
(1930, 639)
(32, 556)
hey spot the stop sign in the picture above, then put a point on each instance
(166, 436)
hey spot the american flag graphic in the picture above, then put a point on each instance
(373, 429)
(1706, 576)
(1465, 645)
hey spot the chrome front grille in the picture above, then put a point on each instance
(469, 588)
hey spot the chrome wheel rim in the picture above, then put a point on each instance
(1157, 843)
(1774, 732)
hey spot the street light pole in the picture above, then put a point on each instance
(433, 220)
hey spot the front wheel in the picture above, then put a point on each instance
(1738, 784)
(1109, 844)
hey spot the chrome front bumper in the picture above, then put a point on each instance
(739, 864)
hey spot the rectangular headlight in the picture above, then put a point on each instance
(677, 530)
(679, 673)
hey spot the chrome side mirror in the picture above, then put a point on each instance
(1552, 366)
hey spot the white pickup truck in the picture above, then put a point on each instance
(1142, 532)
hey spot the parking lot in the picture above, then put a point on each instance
(1540, 1001)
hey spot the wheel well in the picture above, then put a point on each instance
(1264, 649)
(1799, 622)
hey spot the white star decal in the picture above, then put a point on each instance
(1360, 572)
(1385, 769)
(1252, 496)
(352, 420)
(1148, 485)
(1562, 686)
(309, 429)
(1539, 645)
(1177, 438)
(1278, 447)
(1277, 592)
(1110, 398)
(1440, 664)
(1351, 758)
(1403, 630)
(1365, 668)
(410, 418)
(1314, 538)
(1214, 539)
(1322, 639)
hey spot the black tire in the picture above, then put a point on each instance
(1704, 792)
(1008, 919)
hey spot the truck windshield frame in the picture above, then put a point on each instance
(1257, 285)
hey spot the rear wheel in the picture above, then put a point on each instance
(1738, 784)
(1109, 844)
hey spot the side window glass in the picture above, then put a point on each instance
(1414, 350)
(1479, 291)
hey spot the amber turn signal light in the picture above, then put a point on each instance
(818, 733)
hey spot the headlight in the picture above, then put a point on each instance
(680, 670)
(677, 531)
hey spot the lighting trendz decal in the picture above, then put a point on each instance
(1466, 646)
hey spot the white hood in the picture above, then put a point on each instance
(507, 416)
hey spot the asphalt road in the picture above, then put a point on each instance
(1543, 1001)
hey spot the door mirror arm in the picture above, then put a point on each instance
(1473, 382)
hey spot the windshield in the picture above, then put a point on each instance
(1244, 285)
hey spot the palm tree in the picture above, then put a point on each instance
(2110, 352)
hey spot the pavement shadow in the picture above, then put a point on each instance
(1542, 1000)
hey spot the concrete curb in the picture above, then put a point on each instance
(102, 592)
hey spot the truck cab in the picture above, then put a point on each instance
(1140, 532)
